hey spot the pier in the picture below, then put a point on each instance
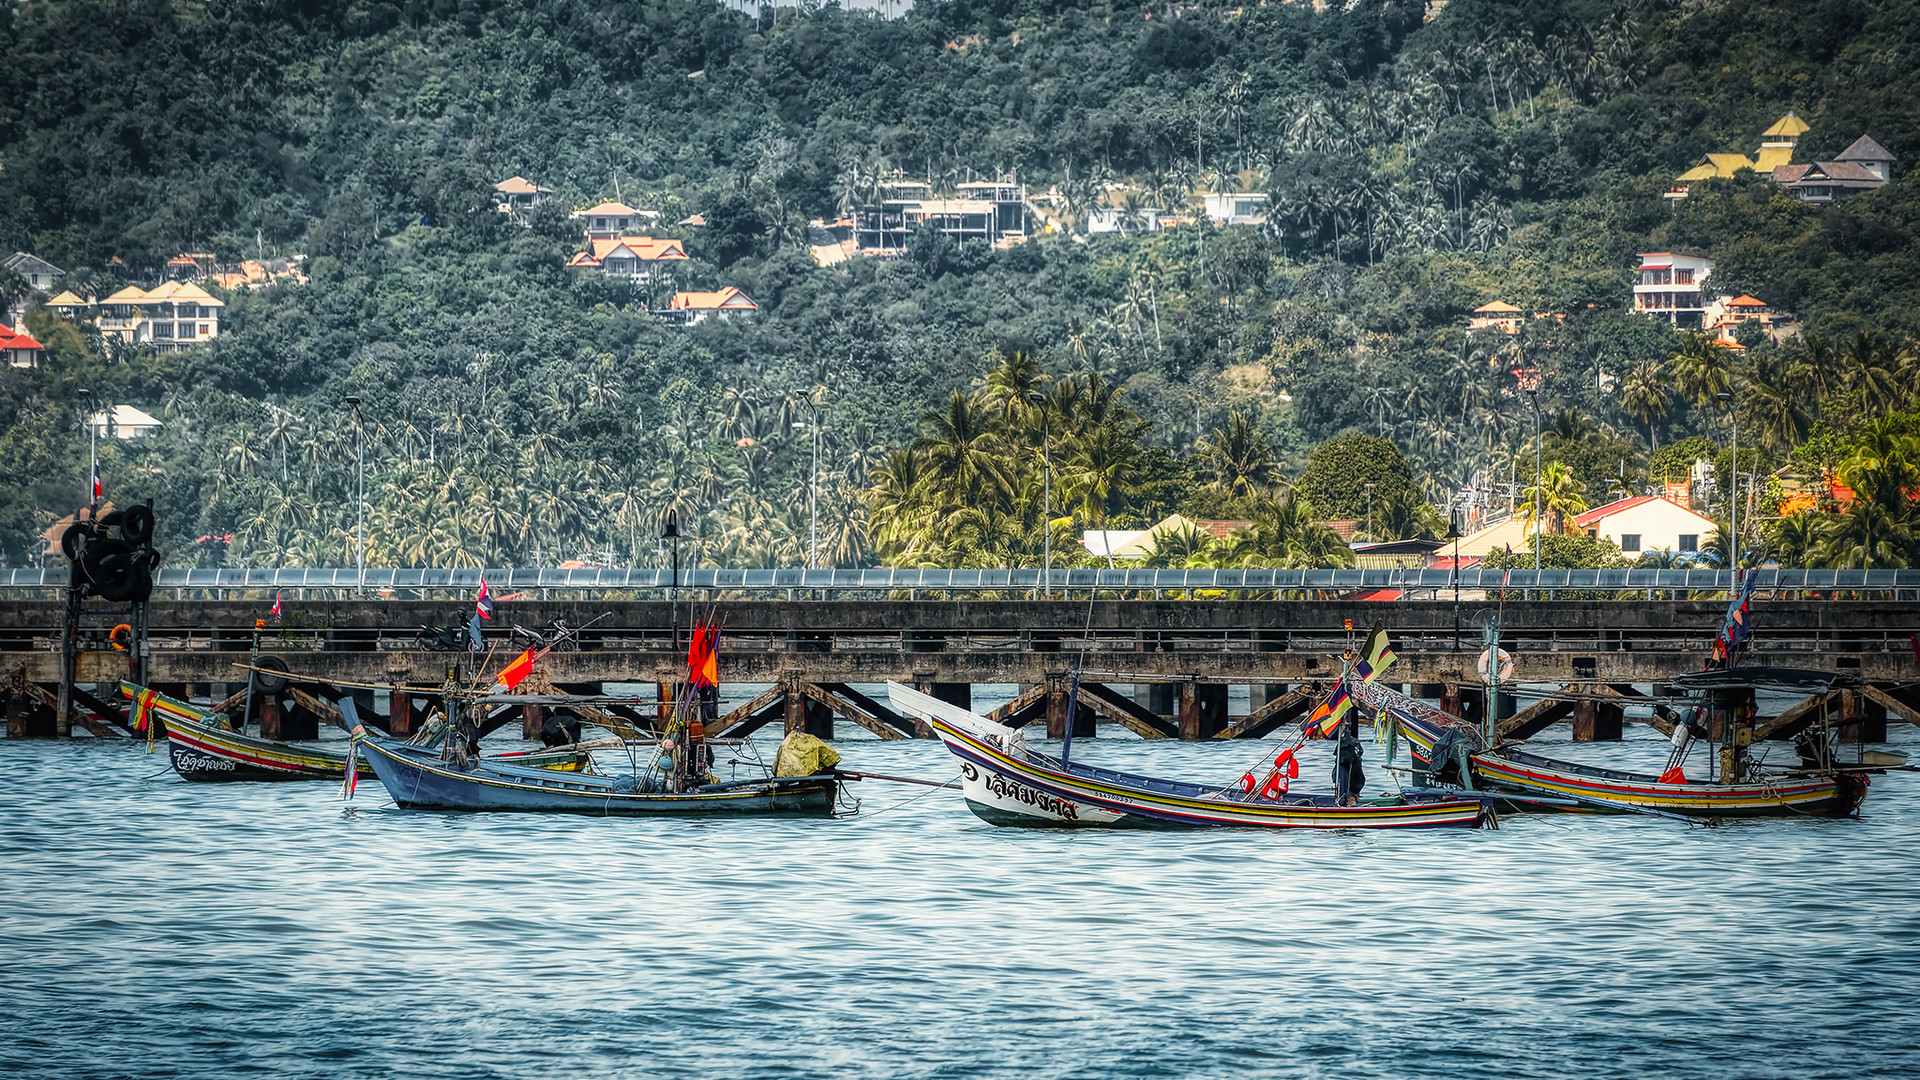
(1160, 668)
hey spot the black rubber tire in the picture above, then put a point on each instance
(74, 539)
(266, 680)
(137, 525)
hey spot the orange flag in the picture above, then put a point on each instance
(515, 673)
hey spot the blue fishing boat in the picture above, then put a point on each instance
(674, 781)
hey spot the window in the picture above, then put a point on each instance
(188, 311)
(1683, 277)
(1689, 542)
(162, 330)
(206, 329)
(1629, 541)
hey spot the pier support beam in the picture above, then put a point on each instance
(1203, 710)
(1597, 721)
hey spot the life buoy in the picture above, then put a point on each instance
(115, 639)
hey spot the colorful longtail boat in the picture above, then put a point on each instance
(1007, 783)
(1449, 749)
(203, 747)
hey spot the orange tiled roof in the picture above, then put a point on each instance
(728, 299)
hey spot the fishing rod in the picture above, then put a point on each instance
(844, 775)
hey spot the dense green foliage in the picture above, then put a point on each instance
(513, 410)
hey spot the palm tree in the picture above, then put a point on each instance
(1008, 384)
(963, 451)
(1558, 494)
(1699, 368)
(1866, 537)
(1645, 397)
(1794, 538)
(1238, 458)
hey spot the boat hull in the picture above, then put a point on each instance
(1025, 790)
(211, 753)
(417, 779)
(1568, 785)
(1523, 774)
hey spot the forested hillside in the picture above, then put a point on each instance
(1418, 166)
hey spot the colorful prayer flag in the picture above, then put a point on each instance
(484, 604)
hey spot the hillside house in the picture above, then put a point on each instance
(698, 307)
(170, 317)
(613, 220)
(123, 422)
(1864, 166)
(1730, 315)
(39, 273)
(1776, 149)
(517, 195)
(629, 257)
(1496, 315)
(1642, 523)
(1237, 208)
(1669, 288)
(191, 266)
(994, 212)
(19, 349)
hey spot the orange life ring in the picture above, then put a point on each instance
(113, 636)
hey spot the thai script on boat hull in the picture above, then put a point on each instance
(1013, 791)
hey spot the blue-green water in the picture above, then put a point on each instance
(156, 928)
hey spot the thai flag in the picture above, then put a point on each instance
(276, 607)
(96, 482)
(484, 605)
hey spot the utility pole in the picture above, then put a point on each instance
(1733, 503)
(360, 489)
(1533, 401)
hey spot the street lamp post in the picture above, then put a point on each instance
(360, 489)
(813, 481)
(1046, 485)
(1533, 402)
(670, 532)
(1733, 504)
(1453, 534)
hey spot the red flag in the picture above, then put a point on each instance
(703, 658)
(276, 607)
(1916, 648)
(96, 478)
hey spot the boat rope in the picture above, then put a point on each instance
(916, 798)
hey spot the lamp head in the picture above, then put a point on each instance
(352, 399)
(85, 393)
(671, 530)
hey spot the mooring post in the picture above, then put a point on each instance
(272, 722)
(17, 705)
(1862, 719)
(532, 719)
(1189, 721)
(1597, 721)
(796, 706)
(1056, 706)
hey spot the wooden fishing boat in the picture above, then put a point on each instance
(1535, 781)
(1008, 783)
(204, 748)
(420, 778)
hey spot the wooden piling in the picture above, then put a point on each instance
(1596, 721)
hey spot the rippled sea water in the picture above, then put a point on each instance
(158, 928)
